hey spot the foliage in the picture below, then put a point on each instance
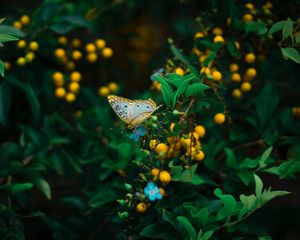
(200, 167)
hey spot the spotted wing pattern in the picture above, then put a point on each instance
(133, 112)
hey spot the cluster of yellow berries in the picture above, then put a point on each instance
(91, 50)
(70, 91)
(112, 87)
(29, 47)
(249, 75)
(23, 21)
(190, 144)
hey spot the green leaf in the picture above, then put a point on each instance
(5, 29)
(266, 104)
(269, 195)
(40, 183)
(190, 230)
(248, 201)
(228, 202)
(102, 197)
(2, 68)
(206, 235)
(196, 88)
(291, 53)
(170, 217)
(212, 55)
(258, 186)
(276, 27)
(232, 49)
(2, 20)
(287, 29)
(230, 158)
(167, 91)
(259, 27)
(19, 187)
(264, 157)
(7, 38)
(155, 231)
(202, 216)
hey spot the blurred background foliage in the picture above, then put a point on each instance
(65, 157)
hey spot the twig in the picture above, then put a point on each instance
(188, 109)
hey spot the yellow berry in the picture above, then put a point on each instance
(17, 25)
(107, 52)
(70, 97)
(200, 130)
(60, 53)
(25, 20)
(75, 76)
(179, 71)
(60, 92)
(161, 148)
(113, 87)
(235, 77)
(7, 65)
(250, 73)
(217, 76)
(103, 91)
(63, 40)
(186, 142)
(247, 17)
(193, 135)
(154, 172)
(21, 44)
(58, 78)
(70, 65)
(21, 61)
(217, 31)
(250, 6)
(33, 46)
(141, 207)
(219, 118)
(246, 87)
(200, 156)
(218, 38)
(29, 56)
(165, 177)
(92, 57)
(90, 47)
(100, 43)
(236, 93)
(76, 55)
(74, 87)
(205, 70)
(198, 35)
(250, 58)
(233, 67)
(152, 143)
(76, 43)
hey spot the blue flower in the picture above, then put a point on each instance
(138, 132)
(152, 192)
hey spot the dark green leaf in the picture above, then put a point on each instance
(196, 88)
(276, 27)
(287, 29)
(190, 230)
(291, 53)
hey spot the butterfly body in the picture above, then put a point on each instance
(132, 112)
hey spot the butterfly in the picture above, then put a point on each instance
(132, 112)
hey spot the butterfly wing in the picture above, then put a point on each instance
(142, 110)
(123, 107)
